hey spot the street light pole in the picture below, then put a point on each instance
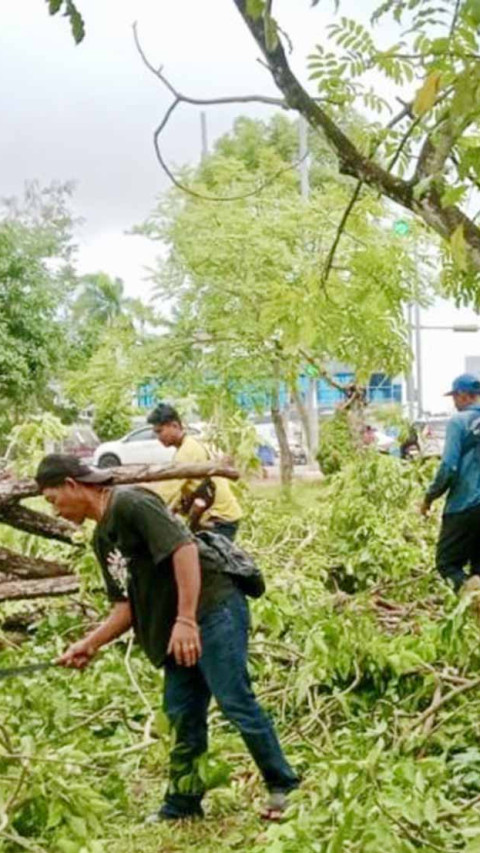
(409, 383)
(312, 403)
(418, 352)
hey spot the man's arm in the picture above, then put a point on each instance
(185, 638)
(118, 621)
(449, 466)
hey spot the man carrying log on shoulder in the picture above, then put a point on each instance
(212, 503)
(459, 476)
(188, 614)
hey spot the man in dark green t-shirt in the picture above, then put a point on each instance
(188, 615)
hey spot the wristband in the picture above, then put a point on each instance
(184, 621)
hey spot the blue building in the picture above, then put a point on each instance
(380, 389)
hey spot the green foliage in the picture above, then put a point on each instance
(348, 679)
(113, 414)
(70, 11)
(30, 440)
(335, 445)
(35, 250)
(249, 300)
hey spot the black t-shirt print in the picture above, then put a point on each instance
(134, 543)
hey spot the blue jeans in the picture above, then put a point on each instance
(221, 672)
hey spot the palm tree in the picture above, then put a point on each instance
(101, 299)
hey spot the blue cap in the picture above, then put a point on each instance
(466, 383)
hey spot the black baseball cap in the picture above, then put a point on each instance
(55, 468)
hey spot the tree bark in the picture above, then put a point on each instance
(38, 523)
(305, 421)
(30, 567)
(286, 461)
(12, 490)
(15, 590)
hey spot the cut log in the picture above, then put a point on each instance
(14, 490)
(30, 567)
(38, 523)
(23, 589)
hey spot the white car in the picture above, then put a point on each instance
(140, 447)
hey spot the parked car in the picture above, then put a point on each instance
(81, 441)
(139, 447)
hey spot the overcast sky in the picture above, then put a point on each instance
(87, 114)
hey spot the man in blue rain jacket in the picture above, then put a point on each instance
(459, 477)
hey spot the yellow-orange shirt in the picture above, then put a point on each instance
(225, 505)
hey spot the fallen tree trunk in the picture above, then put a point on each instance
(38, 523)
(30, 567)
(15, 590)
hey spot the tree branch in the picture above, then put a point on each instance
(38, 523)
(14, 490)
(30, 567)
(352, 162)
(331, 255)
(15, 590)
(444, 220)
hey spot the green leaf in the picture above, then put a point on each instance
(426, 96)
(472, 8)
(76, 22)
(439, 46)
(453, 196)
(54, 6)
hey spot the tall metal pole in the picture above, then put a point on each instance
(312, 402)
(418, 360)
(409, 380)
(204, 133)
(303, 157)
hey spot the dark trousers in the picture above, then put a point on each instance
(226, 528)
(221, 672)
(459, 546)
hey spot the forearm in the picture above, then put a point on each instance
(186, 567)
(118, 621)
(443, 480)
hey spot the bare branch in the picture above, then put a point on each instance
(331, 255)
(180, 98)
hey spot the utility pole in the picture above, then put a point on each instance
(312, 402)
(418, 354)
(204, 134)
(409, 379)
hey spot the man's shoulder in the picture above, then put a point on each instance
(459, 420)
(466, 417)
(125, 498)
(193, 448)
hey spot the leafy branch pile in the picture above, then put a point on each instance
(368, 664)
